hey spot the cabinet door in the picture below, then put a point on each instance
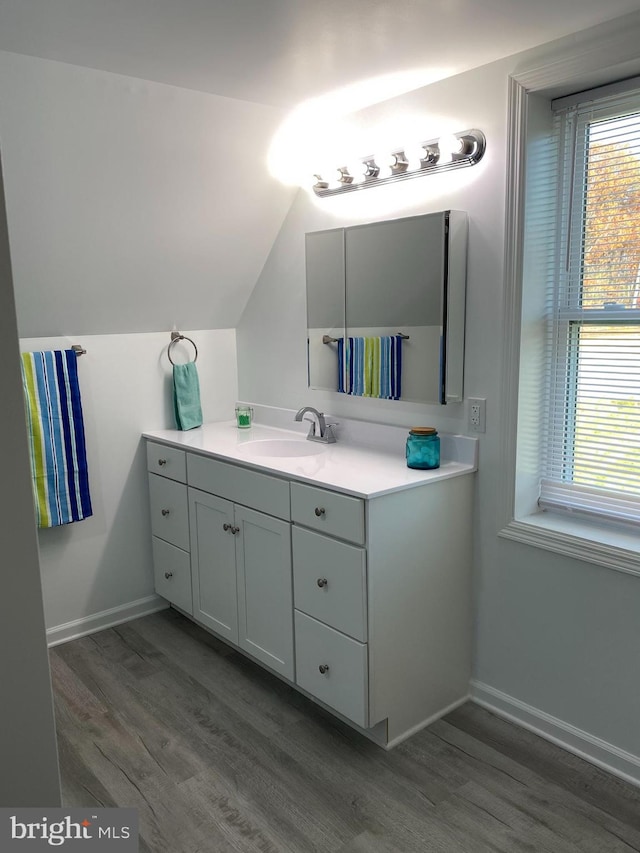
(213, 563)
(265, 606)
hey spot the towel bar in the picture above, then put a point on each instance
(78, 349)
(327, 339)
(175, 337)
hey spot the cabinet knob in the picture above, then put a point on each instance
(322, 582)
(165, 511)
(319, 511)
(235, 530)
(324, 668)
(162, 461)
(226, 526)
(168, 575)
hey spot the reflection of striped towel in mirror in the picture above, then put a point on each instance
(56, 437)
(371, 367)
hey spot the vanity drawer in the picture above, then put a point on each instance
(329, 582)
(240, 485)
(167, 461)
(343, 685)
(172, 574)
(169, 511)
(330, 512)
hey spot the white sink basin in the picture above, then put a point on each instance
(281, 447)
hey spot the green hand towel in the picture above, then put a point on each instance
(186, 396)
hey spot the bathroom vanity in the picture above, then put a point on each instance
(335, 566)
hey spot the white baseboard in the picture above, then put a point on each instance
(105, 619)
(605, 755)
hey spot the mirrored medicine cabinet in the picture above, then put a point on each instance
(395, 287)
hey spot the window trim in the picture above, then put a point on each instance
(606, 55)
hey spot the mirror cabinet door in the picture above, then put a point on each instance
(403, 277)
(324, 252)
(395, 273)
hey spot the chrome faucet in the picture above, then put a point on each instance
(325, 431)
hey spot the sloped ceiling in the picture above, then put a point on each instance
(280, 52)
(135, 134)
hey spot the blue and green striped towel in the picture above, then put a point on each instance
(56, 437)
(371, 366)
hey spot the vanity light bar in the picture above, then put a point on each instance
(471, 145)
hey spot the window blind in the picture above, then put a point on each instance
(591, 448)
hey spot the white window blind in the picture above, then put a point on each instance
(591, 443)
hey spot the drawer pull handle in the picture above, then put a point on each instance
(322, 582)
(319, 511)
(168, 575)
(165, 511)
(324, 668)
(162, 461)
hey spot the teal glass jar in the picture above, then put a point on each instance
(423, 448)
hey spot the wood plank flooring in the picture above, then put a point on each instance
(218, 756)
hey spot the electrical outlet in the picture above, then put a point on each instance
(477, 414)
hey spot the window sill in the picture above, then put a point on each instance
(593, 542)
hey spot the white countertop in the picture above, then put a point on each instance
(363, 470)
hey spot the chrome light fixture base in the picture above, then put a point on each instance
(472, 145)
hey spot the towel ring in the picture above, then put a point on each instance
(175, 337)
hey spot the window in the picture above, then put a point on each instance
(590, 438)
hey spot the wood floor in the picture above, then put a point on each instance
(218, 756)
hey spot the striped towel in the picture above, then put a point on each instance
(56, 437)
(390, 371)
(342, 366)
(371, 367)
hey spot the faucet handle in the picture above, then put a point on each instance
(329, 433)
(312, 428)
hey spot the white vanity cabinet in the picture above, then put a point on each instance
(383, 603)
(362, 601)
(170, 524)
(241, 559)
(330, 599)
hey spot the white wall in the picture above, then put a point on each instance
(98, 571)
(29, 764)
(132, 205)
(557, 641)
(128, 212)
(272, 331)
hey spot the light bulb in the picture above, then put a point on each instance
(414, 153)
(358, 170)
(449, 145)
(384, 161)
(401, 162)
